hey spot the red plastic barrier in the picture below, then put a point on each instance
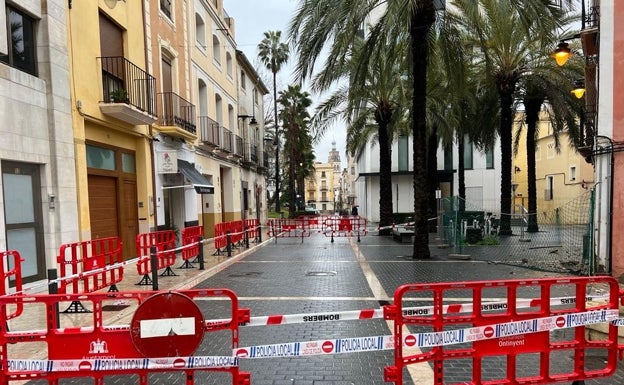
(288, 228)
(345, 226)
(507, 330)
(165, 243)
(220, 232)
(11, 275)
(190, 240)
(88, 262)
(236, 231)
(253, 227)
(97, 351)
(314, 221)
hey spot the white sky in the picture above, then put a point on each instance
(252, 18)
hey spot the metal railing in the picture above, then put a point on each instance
(239, 146)
(227, 142)
(176, 111)
(209, 131)
(125, 82)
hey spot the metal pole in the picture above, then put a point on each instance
(154, 264)
(200, 256)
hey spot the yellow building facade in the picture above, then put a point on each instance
(560, 175)
(112, 101)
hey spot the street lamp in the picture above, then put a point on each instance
(579, 88)
(562, 53)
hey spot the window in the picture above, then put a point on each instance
(467, 153)
(165, 7)
(403, 153)
(243, 80)
(550, 150)
(200, 31)
(216, 49)
(489, 158)
(550, 183)
(323, 175)
(21, 41)
(228, 64)
(572, 173)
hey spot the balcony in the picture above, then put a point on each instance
(209, 133)
(176, 116)
(228, 141)
(128, 92)
(239, 150)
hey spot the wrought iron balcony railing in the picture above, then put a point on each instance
(239, 149)
(173, 110)
(209, 132)
(227, 142)
(125, 82)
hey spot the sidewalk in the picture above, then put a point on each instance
(34, 317)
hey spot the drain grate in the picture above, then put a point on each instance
(320, 273)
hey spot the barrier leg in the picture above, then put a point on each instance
(358, 236)
(200, 255)
(53, 289)
(246, 238)
(229, 244)
(259, 234)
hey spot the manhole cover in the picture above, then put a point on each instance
(246, 274)
(320, 273)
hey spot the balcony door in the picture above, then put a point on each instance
(111, 47)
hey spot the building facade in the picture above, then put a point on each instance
(324, 189)
(38, 199)
(123, 117)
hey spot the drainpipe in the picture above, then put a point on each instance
(150, 129)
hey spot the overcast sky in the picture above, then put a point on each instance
(253, 18)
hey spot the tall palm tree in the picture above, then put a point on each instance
(335, 24)
(274, 54)
(373, 105)
(507, 32)
(548, 84)
(295, 120)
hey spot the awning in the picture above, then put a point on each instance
(199, 182)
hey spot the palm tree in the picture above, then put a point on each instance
(273, 54)
(548, 83)
(295, 118)
(507, 32)
(373, 107)
(335, 24)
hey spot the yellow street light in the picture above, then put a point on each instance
(579, 89)
(562, 53)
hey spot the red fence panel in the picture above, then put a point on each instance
(253, 228)
(11, 275)
(344, 226)
(220, 232)
(236, 231)
(143, 347)
(191, 242)
(505, 330)
(89, 263)
(165, 243)
(288, 228)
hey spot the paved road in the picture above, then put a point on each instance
(291, 277)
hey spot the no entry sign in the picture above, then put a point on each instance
(167, 325)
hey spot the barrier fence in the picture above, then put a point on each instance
(234, 234)
(82, 264)
(160, 244)
(11, 265)
(505, 323)
(192, 243)
(344, 227)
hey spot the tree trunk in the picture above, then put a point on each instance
(461, 171)
(277, 148)
(532, 108)
(432, 176)
(385, 178)
(506, 100)
(421, 21)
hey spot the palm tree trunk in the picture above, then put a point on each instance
(385, 178)
(432, 176)
(506, 100)
(422, 18)
(532, 108)
(277, 147)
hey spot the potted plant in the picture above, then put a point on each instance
(119, 95)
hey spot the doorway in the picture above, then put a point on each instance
(21, 188)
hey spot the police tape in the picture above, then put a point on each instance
(427, 340)
(110, 364)
(353, 315)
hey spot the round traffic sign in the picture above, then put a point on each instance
(167, 325)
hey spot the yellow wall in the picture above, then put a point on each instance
(550, 163)
(89, 123)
